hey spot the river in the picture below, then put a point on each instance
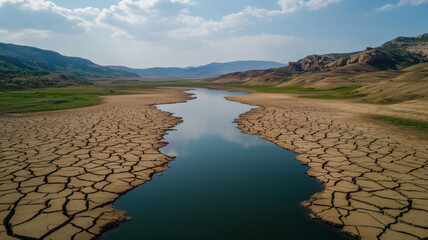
(223, 184)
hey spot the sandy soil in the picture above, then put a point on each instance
(61, 170)
(375, 174)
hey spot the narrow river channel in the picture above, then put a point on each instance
(223, 184)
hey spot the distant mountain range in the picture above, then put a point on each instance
(210, 70)
(395, 71)
(22, 61)
(27, 67)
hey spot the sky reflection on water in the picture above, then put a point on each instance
(211, 115)
(223, 184)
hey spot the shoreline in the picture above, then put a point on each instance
(62, 170)
(366, 167)
(327, 136)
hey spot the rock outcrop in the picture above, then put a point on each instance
(311, 63)
(395, 54)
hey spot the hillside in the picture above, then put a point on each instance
(395, 86)
(28, 62)
(210, 70)
(338, 70)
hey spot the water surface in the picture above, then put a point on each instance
(223, 184)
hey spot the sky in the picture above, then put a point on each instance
(180, 33)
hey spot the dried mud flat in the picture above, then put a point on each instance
(60, 171)
(375, 175)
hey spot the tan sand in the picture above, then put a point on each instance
(375, 174)
(61, 170)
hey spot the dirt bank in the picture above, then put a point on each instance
(375, 174)
(60, 171)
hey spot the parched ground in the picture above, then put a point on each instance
(375, 175)
(61, 170)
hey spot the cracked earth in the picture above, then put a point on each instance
(60, 171)
(375, 175)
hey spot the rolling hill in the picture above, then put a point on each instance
(209, 70)
(395, 86)
(22, 61)
(338, 70)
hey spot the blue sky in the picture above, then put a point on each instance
(149, 33)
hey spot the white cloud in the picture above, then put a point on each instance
(259, 47)
(189, 2)
(149, 33)
(24, 34)
(386, 7)
(147, 20)
(88, 11)
(317, 4)
(402, 3)
(195, 52)
(198, 27)
(289, 6)
(41, 15)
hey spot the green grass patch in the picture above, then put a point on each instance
(273, 89)
(46, 99)
(141, 84)
(286, 79)
(334, 93)
(56, 98)
(323, 96)
(421, 125)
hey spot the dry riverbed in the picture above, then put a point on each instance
(60, 171)
(375, 175)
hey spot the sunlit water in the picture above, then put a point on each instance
(223, 184)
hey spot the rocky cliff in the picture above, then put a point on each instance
(396, 54)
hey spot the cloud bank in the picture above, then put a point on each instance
(401, 3)
(149, 28)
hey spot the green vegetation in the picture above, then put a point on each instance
(22, 61)
(273, 89)
(337, 93)
(142, 84)
(51, 98)
(334, 93)
(421, 125)
(286, 79)
(27, 82)
(55, 98)
(177, 83)
(399, 47)
(10, 66)
(342, 55)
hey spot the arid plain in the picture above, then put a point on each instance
(61, 170)
(348, 116)
(374, 174)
